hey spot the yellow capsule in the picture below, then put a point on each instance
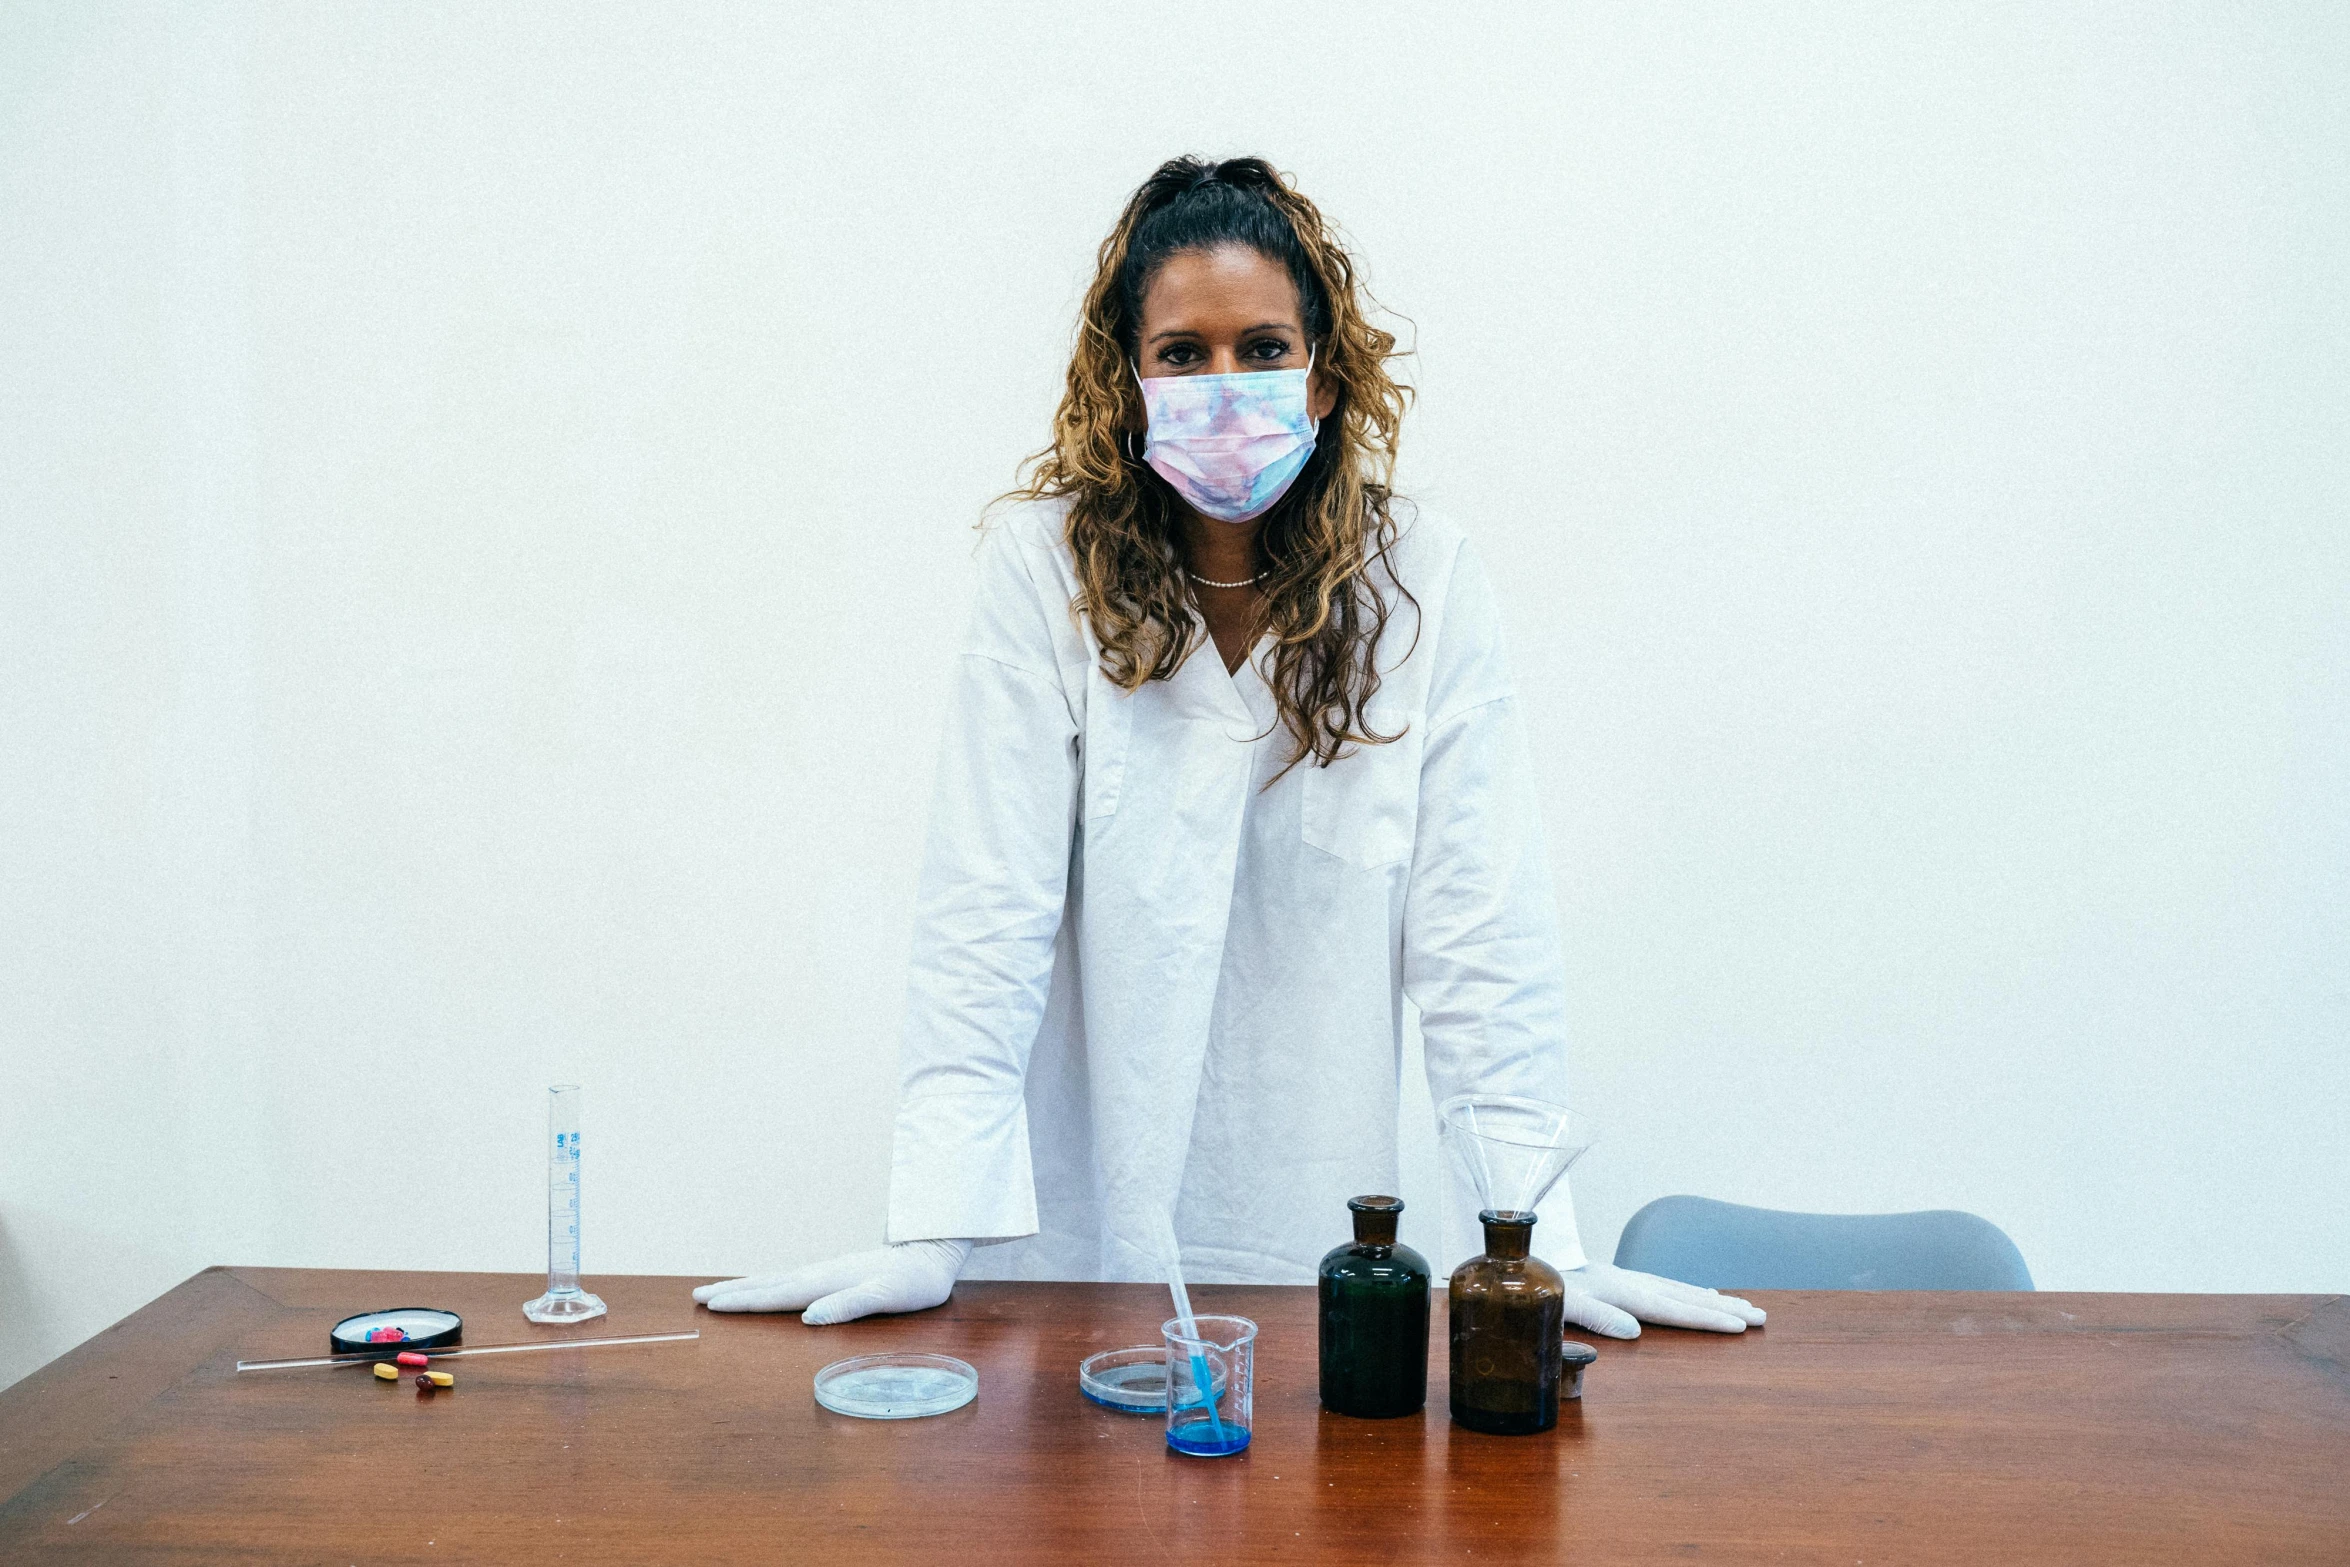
(442, 1378)
(387, 1373)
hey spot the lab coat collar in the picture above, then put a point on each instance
(1205, 690)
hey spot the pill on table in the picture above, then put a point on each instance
(409, 1357)
(442, 1378)
(387, 1373)
(423, 1381)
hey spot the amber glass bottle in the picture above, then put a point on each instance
(1508, 1320)
(1374, 1319)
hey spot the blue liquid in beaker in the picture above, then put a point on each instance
(1199, 1440)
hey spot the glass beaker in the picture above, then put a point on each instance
(1210, 1421)
(1374, 1299)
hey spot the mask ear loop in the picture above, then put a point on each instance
(1126, 441)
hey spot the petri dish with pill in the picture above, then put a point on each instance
(400, 1328)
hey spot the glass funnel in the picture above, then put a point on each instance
(1510, 1151)
(1505, 1309)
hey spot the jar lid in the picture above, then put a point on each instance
(1574, 1352)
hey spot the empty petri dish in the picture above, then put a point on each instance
(1131, 1381)
(896, 1387)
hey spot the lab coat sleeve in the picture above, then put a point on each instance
(1481, 954)
(989, 904)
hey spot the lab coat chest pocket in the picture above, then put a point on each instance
(1109, 715)
(1365, 807)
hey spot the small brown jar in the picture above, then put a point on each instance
(1508, 1311)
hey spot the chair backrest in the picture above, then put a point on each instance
(1725, 1246)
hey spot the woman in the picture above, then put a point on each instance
(1233, 768)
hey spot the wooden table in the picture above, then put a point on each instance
(1855, 1429)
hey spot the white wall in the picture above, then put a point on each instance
(486, 509)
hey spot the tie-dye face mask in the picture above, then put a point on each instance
(1230, 444)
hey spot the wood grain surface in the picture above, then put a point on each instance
(1855, 1429)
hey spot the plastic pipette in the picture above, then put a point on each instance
(470, 1349)
(1199, 1360)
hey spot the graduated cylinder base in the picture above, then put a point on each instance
(564, 1306)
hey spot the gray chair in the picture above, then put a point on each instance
(1725, 1246)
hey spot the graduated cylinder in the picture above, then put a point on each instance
(564, 1300)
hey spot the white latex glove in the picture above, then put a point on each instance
(910, 1276)
(1614, 1301)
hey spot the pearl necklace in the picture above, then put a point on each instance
(1210, 582)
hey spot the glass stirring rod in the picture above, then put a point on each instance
(461, 1351)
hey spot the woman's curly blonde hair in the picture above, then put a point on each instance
(1324, 545)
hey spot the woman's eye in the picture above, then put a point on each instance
(1178, 354)
(1268, 349)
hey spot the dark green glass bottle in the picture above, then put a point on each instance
(1374, 1319)
(1508, 1313)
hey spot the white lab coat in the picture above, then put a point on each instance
(1154, 1002)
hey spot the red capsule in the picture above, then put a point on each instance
(409, 1357)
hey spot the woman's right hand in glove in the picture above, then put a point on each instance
(909, 1276)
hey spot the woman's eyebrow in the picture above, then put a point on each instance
(1261, 326)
